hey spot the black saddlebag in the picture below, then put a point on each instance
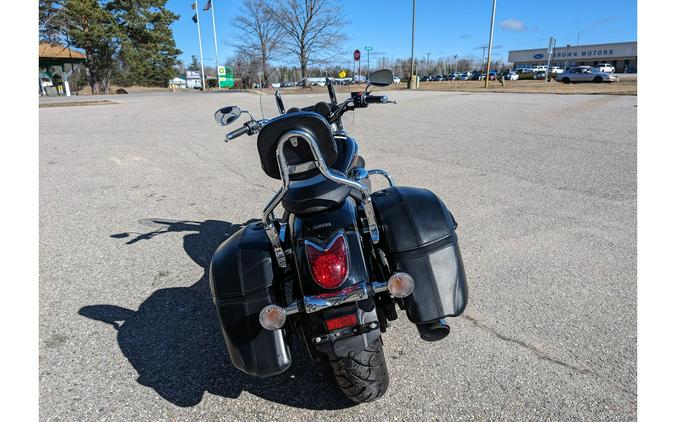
(241, 278)
(418, 237)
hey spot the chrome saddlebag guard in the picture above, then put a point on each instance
(241, 278)
(419, 238)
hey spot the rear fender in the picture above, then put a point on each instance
(321, 228)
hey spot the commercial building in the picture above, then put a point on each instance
(622, 55)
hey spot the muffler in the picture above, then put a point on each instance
(433, 331)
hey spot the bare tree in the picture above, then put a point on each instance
(313, 29)
(246, 68)
(259, 34)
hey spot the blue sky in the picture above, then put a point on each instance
(443, 28)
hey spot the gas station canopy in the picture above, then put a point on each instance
(58, 55)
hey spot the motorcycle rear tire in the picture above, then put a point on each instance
(363, 377)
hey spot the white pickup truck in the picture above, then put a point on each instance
(606, 67)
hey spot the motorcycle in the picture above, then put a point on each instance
(332, 270)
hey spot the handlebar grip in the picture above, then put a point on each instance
(236, 133)
(375, 99)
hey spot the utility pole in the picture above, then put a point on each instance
(551, 46)
(567, 54)
(412, 80)
(482, 59)
(428, 63)
(578, 36)
(368, 60)
(215, 39)
(492, 30)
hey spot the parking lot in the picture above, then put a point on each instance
(135, 196)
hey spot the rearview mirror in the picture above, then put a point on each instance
(383, 77)
(227, 115)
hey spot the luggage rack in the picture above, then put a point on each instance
(285, 170)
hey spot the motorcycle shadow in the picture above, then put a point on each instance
(175, 344)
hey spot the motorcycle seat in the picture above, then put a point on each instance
(315, 194)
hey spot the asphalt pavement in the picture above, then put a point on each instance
(135, 196)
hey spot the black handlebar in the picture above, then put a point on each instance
(237, 132)
(376, 99)
(332, 112)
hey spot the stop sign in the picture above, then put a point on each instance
(357, 55)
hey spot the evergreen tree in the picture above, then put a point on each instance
(148, 50)
(92, 28)
(194, 65)
(51, 20)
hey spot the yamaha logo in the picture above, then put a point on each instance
(322, 225)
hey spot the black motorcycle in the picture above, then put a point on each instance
(332, 270)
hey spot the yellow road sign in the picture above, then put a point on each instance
(342, 74)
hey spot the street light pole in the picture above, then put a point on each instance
(412, 81)
(567, 54)
(482, 59)
(492, 30)
(551, 46)
(199, 36)
(368, 60)
(428, 63)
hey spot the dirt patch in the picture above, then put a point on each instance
(77, 103)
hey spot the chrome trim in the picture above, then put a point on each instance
(268, 223)
(380, 286)
(293, 308)
(323, 301)
(385, 174)
(360, 173)
(328, 246)
(355, 293)
(299, 168)
(282, 231)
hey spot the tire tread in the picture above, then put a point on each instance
(363, 377)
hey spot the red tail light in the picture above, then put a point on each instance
(329, 266)
(341, 322)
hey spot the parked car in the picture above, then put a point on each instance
(359, 79)
(539, 74)
(465, 76)
(585, 74)
(439, 78)
(397, 80)
(493, 75)
(606, 67)
(524, 70)
(539, 68)
(425, 79)
(510, 75)
(554, 70)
